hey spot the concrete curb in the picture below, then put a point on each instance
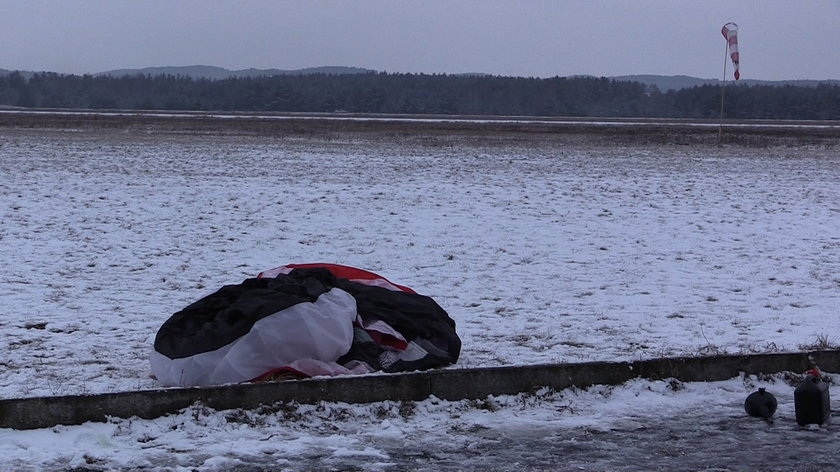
(450, 384)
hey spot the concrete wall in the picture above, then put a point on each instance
(448, 384)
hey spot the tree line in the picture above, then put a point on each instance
(419, 94)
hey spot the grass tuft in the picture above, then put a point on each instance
(823, 342)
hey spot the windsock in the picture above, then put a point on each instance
(730, 32)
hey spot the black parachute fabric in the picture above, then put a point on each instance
(417, 317)
(307, 320)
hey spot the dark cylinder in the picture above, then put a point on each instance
(813, 405)
(761, 404)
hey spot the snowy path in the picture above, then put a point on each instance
(641, 425)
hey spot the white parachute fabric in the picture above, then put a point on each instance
(321, 331)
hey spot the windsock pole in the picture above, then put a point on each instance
(722, 89)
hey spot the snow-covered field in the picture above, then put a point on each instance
(542, 250)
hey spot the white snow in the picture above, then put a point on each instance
(541, 250)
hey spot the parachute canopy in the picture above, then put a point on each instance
(303, 320)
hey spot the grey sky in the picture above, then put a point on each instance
(778, 39)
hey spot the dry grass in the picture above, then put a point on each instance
(505, 129)
(823, 342)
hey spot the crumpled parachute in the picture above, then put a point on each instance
(303, 320)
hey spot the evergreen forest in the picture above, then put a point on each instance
(381, 92)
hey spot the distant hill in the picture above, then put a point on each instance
(216, 73)
(677, 82)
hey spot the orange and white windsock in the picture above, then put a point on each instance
(730, 32)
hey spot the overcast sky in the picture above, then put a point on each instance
(778, 39)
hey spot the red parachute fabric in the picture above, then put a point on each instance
(341, 271)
